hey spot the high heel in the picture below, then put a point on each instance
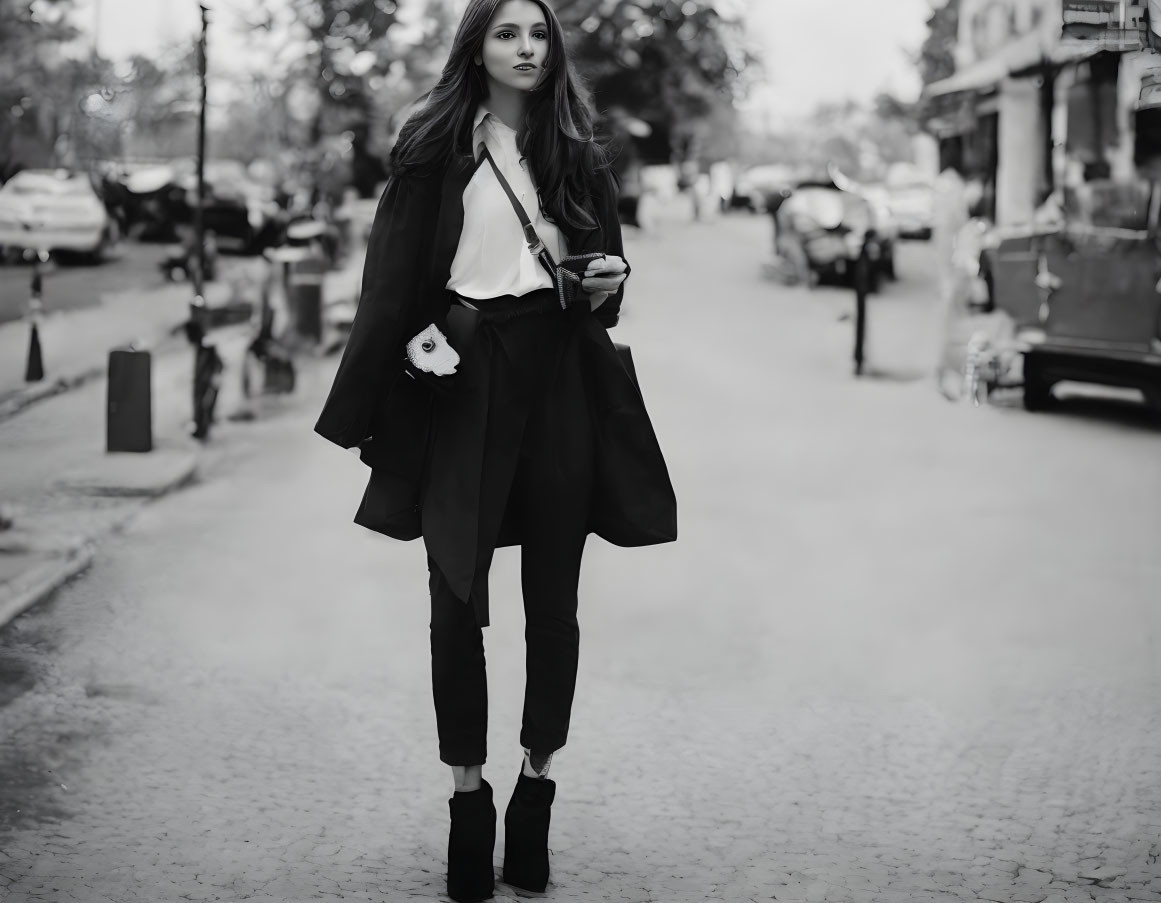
(526, 824)
(470, 845)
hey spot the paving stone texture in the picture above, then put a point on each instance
(903, 650)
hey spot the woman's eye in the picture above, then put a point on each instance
(540, 35)
(504, 35)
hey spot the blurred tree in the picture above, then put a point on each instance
(158, 103)
(254, 123)
(937, 55)
(32, 119)
(935, 61)
(678, 65)
(330, 51)
(861, 140)
(416, 63)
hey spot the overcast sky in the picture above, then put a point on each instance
(820, 50)
(815, 50)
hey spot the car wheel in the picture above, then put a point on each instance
(1153, 398)
(1037, 389)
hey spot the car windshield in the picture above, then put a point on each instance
(42, 183)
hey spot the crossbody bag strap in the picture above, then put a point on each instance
(535, 246)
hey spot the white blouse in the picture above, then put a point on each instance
(492, 258)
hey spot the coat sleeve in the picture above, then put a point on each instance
(609, 313)
(389, 297)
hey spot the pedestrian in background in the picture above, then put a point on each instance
(492, 411)
(951, 214)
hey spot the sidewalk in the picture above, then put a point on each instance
(59, 489)
(76, 344)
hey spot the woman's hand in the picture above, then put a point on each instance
(604, 274)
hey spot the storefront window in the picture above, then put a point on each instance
(1092, 118)
(1108, 204)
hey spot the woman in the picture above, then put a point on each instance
(492, 414)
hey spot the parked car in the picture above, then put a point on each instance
(824, 228)
(912, 208)
(55, 210)
(155, 204)
(1085, 291)
(241, 213)
(757, 187)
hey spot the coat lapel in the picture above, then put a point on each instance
(450, 223)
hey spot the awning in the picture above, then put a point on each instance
(1024, 55)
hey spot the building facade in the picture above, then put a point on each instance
(1048, 94)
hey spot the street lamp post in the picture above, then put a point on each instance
(199, 222)
(207, 362)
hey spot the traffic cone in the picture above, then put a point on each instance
(34, 371)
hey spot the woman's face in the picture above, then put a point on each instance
(515, 46)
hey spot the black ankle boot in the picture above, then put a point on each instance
(470, 845)
(526, 833)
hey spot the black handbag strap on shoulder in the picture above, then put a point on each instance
(535, 246)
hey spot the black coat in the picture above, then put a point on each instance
(412, 243)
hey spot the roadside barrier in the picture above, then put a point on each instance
(129, 401)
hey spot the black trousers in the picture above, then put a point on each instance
(548, 505)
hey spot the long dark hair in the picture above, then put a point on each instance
(556, 135)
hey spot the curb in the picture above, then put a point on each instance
(162, 340)
(68, 559)
(38, 583)
(22, 398)
(119, 474)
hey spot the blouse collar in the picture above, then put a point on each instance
(485, 118)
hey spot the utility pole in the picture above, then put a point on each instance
(199, 222)
(207, 361)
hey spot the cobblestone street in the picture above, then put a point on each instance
(903, 650)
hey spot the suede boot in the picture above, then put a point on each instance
(470, 845)
(526, 833)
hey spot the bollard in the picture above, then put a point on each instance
(305, 278)
(862, 282)
(129, 401)
(304, 289)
